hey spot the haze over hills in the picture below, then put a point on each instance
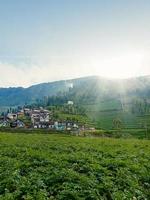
(94, 88)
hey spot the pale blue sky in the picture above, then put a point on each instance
(46, 40)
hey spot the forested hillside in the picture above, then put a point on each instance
(81, 90)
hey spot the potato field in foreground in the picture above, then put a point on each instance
(61, 167)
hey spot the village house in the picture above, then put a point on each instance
(60, 125)
(70, 103)
(65, 125)
(40, 118)
(12, 116)
(27, 111)
(20, 124)
(11, 120)
(51, 125)
(17, 124)
(20, 113)
(4, 122)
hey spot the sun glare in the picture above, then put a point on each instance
(119, 67)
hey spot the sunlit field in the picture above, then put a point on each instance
(40, 166)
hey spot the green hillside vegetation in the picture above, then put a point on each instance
(132, 112)
(97, 101)
(85, 90)
(70, 113)
(104, 113)
(59, 167)
(105, 100)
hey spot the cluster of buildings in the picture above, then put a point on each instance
(11, 120)
(39, 118)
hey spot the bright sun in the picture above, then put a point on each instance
(119, 67)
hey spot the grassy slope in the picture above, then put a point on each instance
(103, 114)
(66, 167)
(80, 118)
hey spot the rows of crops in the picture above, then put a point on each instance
(63, 167)
(103, 114)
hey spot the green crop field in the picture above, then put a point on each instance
(103, 113)
(42, 166)
(105, 119)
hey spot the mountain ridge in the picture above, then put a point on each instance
(90, 86)
(73, 79)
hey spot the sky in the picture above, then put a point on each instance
(49, 40)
